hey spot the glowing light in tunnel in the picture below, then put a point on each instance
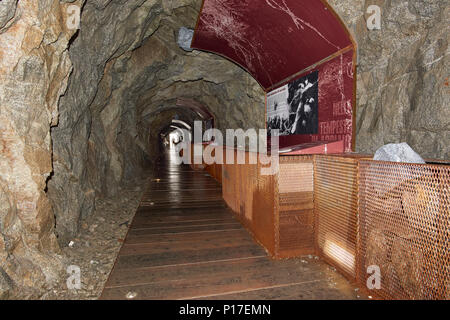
(174, 137)
(182, 123)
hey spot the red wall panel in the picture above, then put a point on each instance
(271, 39)
(336, 103)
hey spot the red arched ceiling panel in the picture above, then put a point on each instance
(271, 39)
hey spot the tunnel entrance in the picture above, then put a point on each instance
(178, 124)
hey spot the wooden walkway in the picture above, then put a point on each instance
(184, 243)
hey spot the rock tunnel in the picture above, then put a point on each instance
(83, 109)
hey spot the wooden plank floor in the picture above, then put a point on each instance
(184, 243)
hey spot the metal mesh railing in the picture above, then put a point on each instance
(295, 214)
(404, 228)
(215, 169)
(355, 213)
(277, 209)
(252, 197)
(336, 210)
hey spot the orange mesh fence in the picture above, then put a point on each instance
(215, 170)
(295, 212)
(264, 206)
(404, 227)
(336, 210)
(252, 197)
(277, 209)
(355, 213)
(228, 187)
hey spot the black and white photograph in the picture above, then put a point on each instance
(293, 108)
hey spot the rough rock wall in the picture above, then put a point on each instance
(34, 68)
(127, 65)
(58, 155)
(403, 86)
